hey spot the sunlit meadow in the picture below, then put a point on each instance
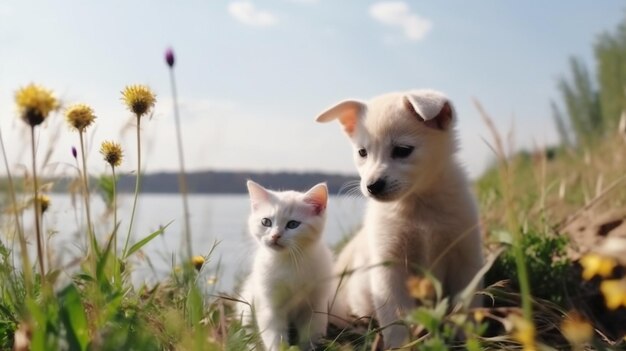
(553, 221)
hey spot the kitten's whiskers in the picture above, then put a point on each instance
(297, 254)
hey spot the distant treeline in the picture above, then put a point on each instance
(222, 182)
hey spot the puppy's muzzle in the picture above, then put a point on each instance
(377, 187)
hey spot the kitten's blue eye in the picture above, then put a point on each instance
(401, 151)
(266, 222)
(362, 152)
(293, 224)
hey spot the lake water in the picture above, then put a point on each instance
(214, 218)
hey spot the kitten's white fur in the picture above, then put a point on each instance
(425, 216)
(291, 276)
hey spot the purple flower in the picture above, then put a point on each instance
(169, 57)
(74, 152)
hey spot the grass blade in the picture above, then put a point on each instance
(73, 315)
(141, 243)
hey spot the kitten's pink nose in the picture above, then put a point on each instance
(275, 237)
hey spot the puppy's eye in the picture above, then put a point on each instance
(401, 151)
(362, 152)
(293, 224)
(266, 222)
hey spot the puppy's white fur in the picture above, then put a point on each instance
(423, 218)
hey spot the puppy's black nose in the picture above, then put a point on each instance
(376, 187)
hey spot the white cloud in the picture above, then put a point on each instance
(398, 14)
(246, 13)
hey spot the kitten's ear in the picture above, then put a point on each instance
(348, 112)
(258, 194)
(318, 197)
(430, 107)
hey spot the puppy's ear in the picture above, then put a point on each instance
(430, 107)
(348, 112)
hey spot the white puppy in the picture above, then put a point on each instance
(421, 214)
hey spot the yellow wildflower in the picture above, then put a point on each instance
(614, 291)
(44, 202)
(198, 262)
(576, 329)
(479, 315)
(595, 264)
(420, 288)
(523, 332)
(138, 98)
(112, 153)
(35, 103)
(79, 116)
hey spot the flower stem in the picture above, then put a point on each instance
(182, 177)
(522, 271)
(40, 254)
(86, 194)
(137, 185)
(114, 211)
(115, 263)
(20, 230)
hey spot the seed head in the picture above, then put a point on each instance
(138, 98)
(79, 116)
(34, 103)
(44, 202)
(112, 153)
(198, 262)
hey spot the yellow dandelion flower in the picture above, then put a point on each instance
(112, 153)
(79, 116)
(420, 288)
(614, 291)
(576, 329)
(197, 261)
(44, 202)
(479, 315)
(594, 264)
(34, 103)
(523, 332)
(138, 98)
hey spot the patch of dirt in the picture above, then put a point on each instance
(604, 233)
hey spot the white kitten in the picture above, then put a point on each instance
(421, 213)
(290, 283)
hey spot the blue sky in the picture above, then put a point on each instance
(252, 75)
